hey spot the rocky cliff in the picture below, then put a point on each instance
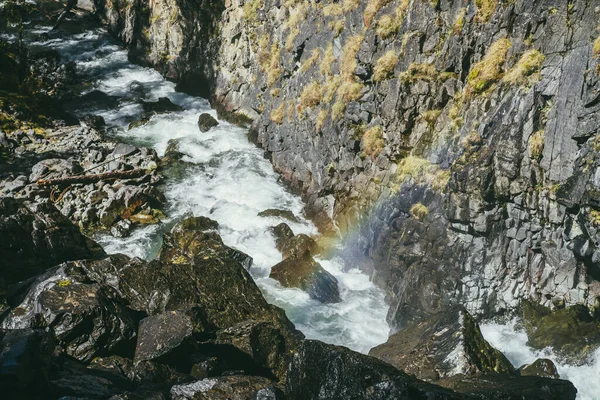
(460, 137)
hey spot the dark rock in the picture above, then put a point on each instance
(298, 246)
(282, 233)
(273, 212)
(442, 346)
(159, 334)
(228, 388)
(140, 121)
(87, 319)
(163, 105)
(96, 99)
(506, 387)
(541, 367)
(37, 236)
(94, 121)
(307, 274)
(323, 371)
(25, 358)
(206, 121)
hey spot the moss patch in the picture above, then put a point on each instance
(526, 70)
(419, 211)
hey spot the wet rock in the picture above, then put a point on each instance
(506, 387)
(228, 388)
(94, 121)
(96, 99)
(541, 367)
(87, 319)
(274, 212)
(121, 229)
(572, 332)
(323, 371)
(163, 105)
(141, 121)
(307, 274)
(282, 233)
(206, 121)
(442, 346)
(159, 334)
(37, 236)
(298, 246)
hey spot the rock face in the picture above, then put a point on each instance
(484, 122)
(443, 346)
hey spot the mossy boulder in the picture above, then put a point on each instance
(206, 121)
(307, 274)
(444, 345)
(572, 332)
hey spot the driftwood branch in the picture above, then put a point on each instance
(106, 176)
(64, 14)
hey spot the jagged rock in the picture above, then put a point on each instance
(572, 332)
(323, 371)
(206, 121)
(35, 237)
(443, 346)
(274, 212)
(228, 388)
(541, 367)
(159, 334)
(87, 319)
(307, 274)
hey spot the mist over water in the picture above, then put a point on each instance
(228, 180)
(512, 341)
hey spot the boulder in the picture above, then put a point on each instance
(54, 168)
(206, 121)
(282, 233)
(277, 213)
(307, 274)
(159, 334)
(228, 388)
(541, 367)
(321, 371)
(37, 236)
(96, 99)
(442, 346)
(298, 246)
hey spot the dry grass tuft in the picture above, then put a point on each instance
(419, 211)
(348, 61)
(274, 68)
(277, 114)
(536, 145)
(333, 10)
(421, 171)
(420, 72)
(384, 67)
(389, 25)
(316, 53)
(525, 69)
(328, 60)
(373, 6)
(485, 9)
(431, 116)
(373, 142)
(321, 118)
(311, 95)
(350, 5)
(597, 47)
(489, 70)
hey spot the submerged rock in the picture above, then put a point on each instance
(443, 346)
(307, 274)
(206, 121)
(274, 212)
(163, 105)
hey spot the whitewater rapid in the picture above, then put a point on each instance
(227, 180)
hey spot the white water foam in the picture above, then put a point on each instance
(229, 181)
(512, 341)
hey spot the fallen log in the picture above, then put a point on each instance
(106, 176)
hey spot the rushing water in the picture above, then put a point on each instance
(512, 341)
(229, 181)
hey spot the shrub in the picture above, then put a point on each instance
(485, 9)
(384, 67)
(489, 70)
(536, 145)
(311, 95)
(373, 142)
(529, 63)
(277, 114)
(419, 72)
(419, 211)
